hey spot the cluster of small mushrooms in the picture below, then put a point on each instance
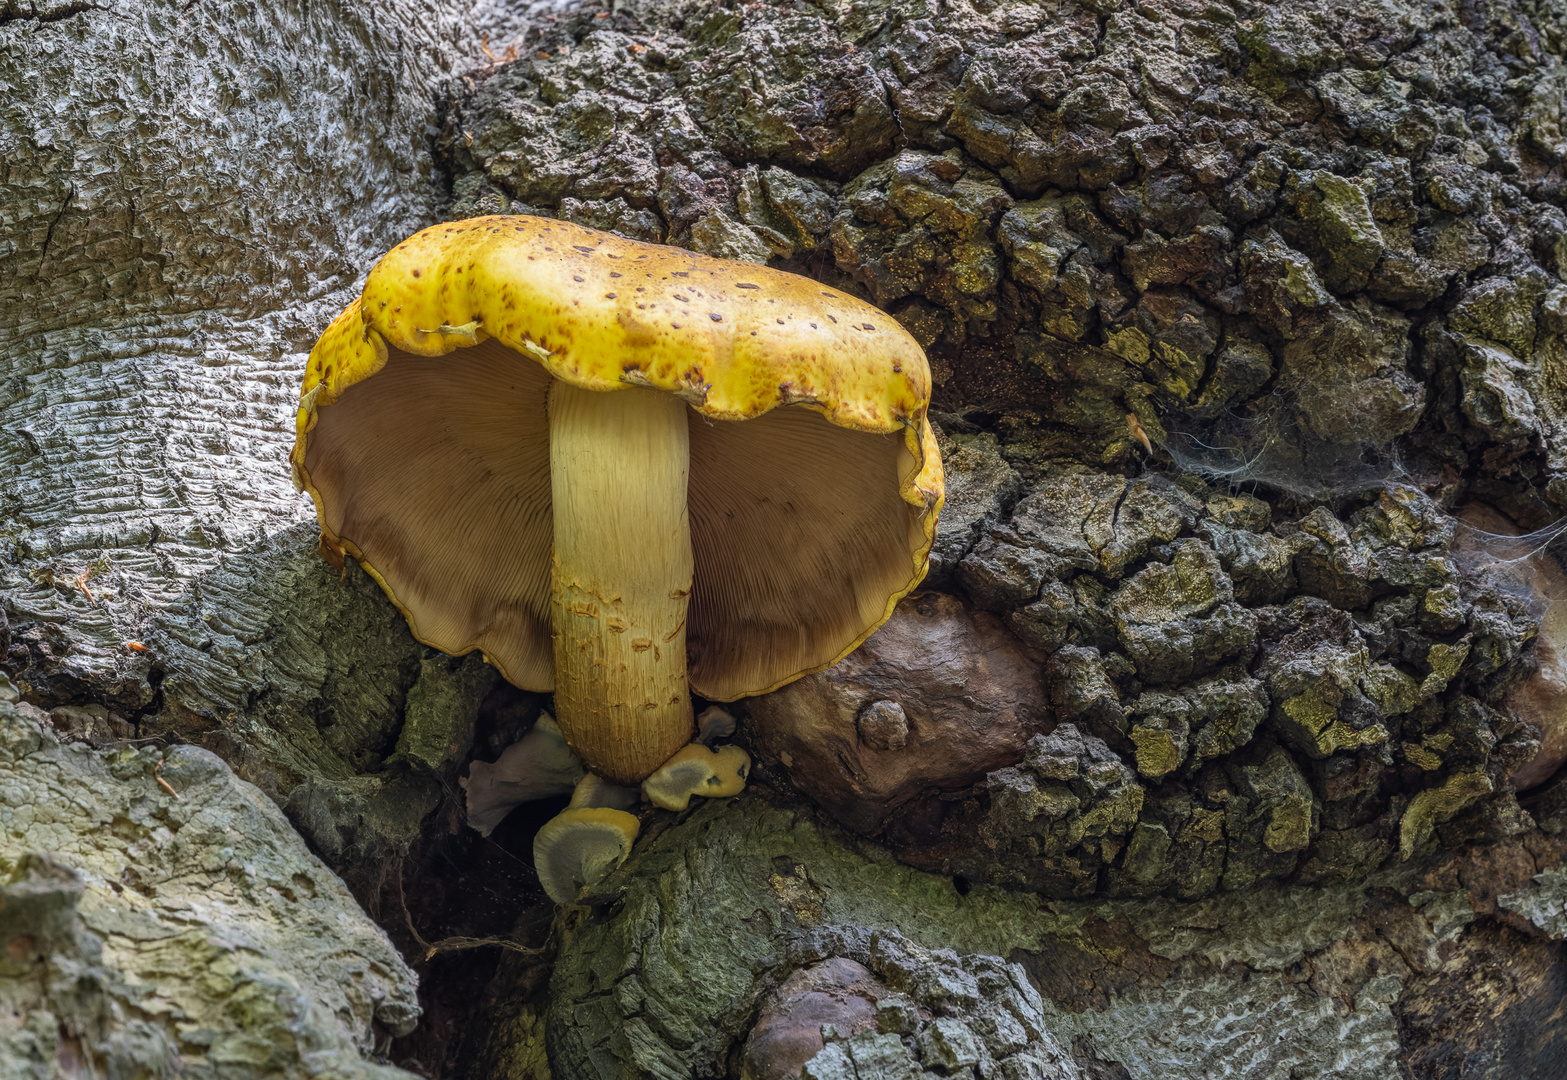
(626, 473)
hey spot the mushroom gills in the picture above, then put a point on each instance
(621, 576)
(579, 847)
(537, 766)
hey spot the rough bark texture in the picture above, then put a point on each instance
(1312, 250)
(187, 194)
(1238, 699)
(680, 948)
(163, 916)
(190, 192)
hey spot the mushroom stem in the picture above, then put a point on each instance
(619, 462)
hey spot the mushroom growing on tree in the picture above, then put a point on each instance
(625, 472)
(697, 770)
(536, 766)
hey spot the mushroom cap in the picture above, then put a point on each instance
(696, 770)
(716, 722)
(602, 312)
(579, 847)
(808, 523)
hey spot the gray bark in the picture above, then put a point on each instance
(1242, 757)
(188, 193)
(707, 921)
(162, 916)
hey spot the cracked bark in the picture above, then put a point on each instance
(1250, 699)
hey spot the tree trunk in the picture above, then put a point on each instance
(1193, 758)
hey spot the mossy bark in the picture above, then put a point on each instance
(1312, 256)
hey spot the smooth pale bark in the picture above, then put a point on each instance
(619, 464)
(189, 192)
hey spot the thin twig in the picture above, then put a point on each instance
(452, 944)
(157, 774)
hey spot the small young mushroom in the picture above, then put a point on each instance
(625, 472)
(579, 846)
(715, 723)
(536, 766)
(594, 792)
(697, 770)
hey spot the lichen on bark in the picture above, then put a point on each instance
(1274, 257)
(162, 915)
(1241, 697)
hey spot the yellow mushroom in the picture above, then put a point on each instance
(579, 847)
(697, 770)
(623, 471)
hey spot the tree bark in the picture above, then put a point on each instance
(1196, 750)
(189, 193)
